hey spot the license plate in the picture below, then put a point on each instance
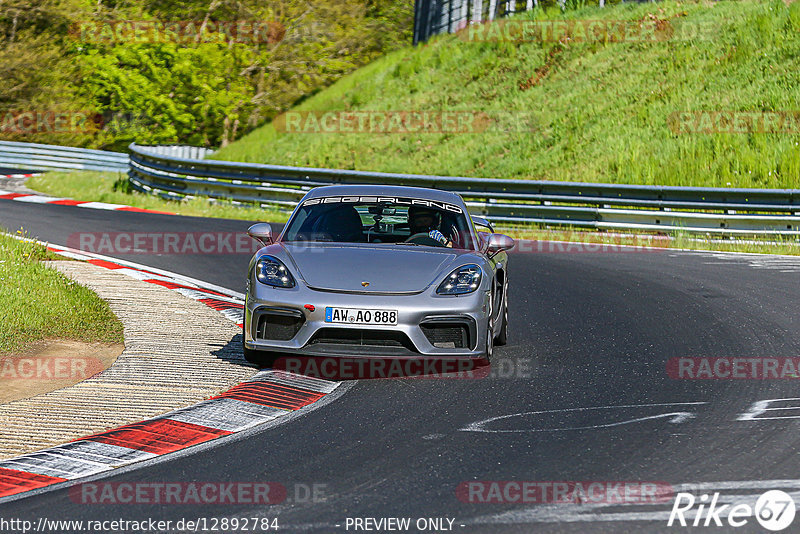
(360, 316)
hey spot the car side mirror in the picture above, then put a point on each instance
(497, 243)
(261, 232)
(480, 221)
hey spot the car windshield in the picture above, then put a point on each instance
(408, 221)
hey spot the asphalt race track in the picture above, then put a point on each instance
(14, 170)
(590, 338)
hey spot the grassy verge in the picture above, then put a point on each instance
(596, 111)
(39, 303)
(113, 188)
(109, 187)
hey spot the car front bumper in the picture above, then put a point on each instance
(413, 310)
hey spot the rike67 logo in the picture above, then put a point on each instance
(774, 510)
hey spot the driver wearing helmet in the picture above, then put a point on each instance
(426, 221)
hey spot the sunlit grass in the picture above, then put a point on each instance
(37, 302)
(548, 239)
(113, 188)
(600, 114)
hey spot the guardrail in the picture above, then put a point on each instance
(178, 172)
(38, 157)
(432, 17)
(721, 211)
(179, 151)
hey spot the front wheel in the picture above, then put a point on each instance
(489, 352)
(502, 334)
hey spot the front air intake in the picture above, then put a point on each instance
(361, 337)
(449, 333)
(278, 324)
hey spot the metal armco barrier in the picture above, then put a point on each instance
(37, 157)
(180, 151)
(717, 211)
(160, 171)
(433, 17)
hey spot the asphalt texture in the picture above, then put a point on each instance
(583, 382)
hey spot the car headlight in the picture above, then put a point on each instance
(272, 272)
(465, 279)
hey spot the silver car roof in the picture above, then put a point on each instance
(390, 190)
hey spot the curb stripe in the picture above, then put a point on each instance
(159, 436)
(13, 481)
(38, 199)
(54, 465)
(227, 414)
(305, 382)
(220, 305)
(266, 396)
(143, 210)
(103, 263)
(263, 398)
(232, 307)
(272, 394)
(44, 199)
(66, 202)
(173, 285)
(104, 453)
(100, 206)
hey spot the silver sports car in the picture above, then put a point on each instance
(377, 271)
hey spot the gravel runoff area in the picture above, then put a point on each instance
(177, 352)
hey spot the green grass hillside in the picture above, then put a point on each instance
(600, 110)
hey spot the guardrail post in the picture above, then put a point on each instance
(718, 211)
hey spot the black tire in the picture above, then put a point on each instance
(261, 358)
(502, 335)
(489, 352)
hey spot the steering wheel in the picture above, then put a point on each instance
(424, 239)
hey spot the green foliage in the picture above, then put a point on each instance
(597, 111)
(58, 55)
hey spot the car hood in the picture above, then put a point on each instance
(386, 268)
